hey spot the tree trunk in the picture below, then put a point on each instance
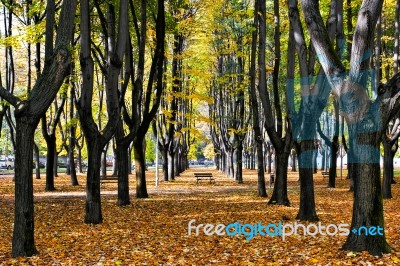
(223, 161)
(71, 149)
(178, 162)
(314, 159)
(51, 150)
(37, 159)
(23, 236)
(141, 189)
(262, 192)
(269, 159)
(55, 164)
(103, 163)
(130, 159)
(307, 200)
(114, 170)
(334, 148)
(122, 156)
(293, 160)
(279, 194)
(79, 158)
(171, 165)
(93, 200)
(165, 163)
(368, 203)
(239, 162)
(231, 168)
(72, 166)
(387, 170)
(333, 163)
(217, 160)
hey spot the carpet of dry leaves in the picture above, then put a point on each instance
(154, 231)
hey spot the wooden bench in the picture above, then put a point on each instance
(271, 179)
(325, 174)
(205, 176)
(109, 179)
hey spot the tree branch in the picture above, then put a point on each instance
(10, 98)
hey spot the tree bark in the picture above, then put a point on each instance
(123, 167)
(37, 160)
(307, 199)
(171, 163)
(51, 151)
(239, 162)
(72, 139)
(368, 203)
(334, 149)
(279, 194)
(165, 163)
(387, 170)
(293, 159)
(141, 188)
(93, 213)
(23, 243)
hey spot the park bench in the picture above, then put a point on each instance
(325, 174)
(205, 176)
(271, 179)
(109, 179)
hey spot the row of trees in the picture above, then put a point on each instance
(116, 64)
(110, 49)
(341, 60)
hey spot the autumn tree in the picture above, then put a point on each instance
(332, 143)
(27, 115)
(116, 50)
(96, 140)
(49, 134)
(9, 79)
(365, 118)
(145, 99)
(262, 192)
(229, 86)
(279, 132)
(390, 146)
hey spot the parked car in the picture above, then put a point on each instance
(61, 163)
(6, 162)
(41, 164)
(208, 162)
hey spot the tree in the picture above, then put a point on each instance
(49, 134)
(115, 50)
(147, 100)
(365, 118)
(96, 140)
(262, 192)
(332, 144)
(279, 134)
(390, 146)
(314, 95)
(72, 137)
(27, 115)
(229, 86)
